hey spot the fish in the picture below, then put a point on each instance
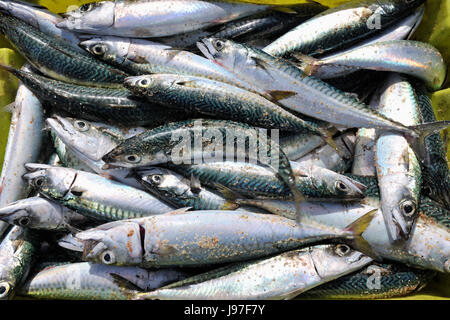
(205, 139)
(342, 26)
(92, 195)
(188, 94)
(427, 247)
(94, 103)
(283, 276)
(40, 213)
(57, 59)
(398, 169)
(245, 179)
(89, 281)
(376, 281)
(414, 58)
(24, 144)
(435, 171)
(195, 238)
(42, 19)
(296, 146)
(17, 251)
(153, 18)
(181, 192)
(309, 95)
(143, 57)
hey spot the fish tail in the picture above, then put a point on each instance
(357, 228)
(422, 131)
(327, 136)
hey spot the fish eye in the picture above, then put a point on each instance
(156, 179)
(219, 44)
(108, 257)
(341, 186)
(408, 207)
(98, 49)
(81, 126)
(86, 7)
(144, 83)
(342, 249)
(133, 158)
(38, 182)
(24, 221)
(4, 289)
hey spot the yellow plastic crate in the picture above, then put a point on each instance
(434, 29)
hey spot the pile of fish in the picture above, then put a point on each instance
(192, 149)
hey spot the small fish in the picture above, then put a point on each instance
(92, 195)
(40, 213)
(17, 252)
(205, 237)
(57, 59)
(88, 281)
(280, 277)
(298, 145)
(153, 18)
(342, 26)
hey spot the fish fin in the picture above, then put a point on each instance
(308, 64)
(277, 95)
(10, 107)
(357, 228)
(327, 136)
(260, 63)
(422, 131)
(195, 184)
(229, 205)
(227, 193)
(127, 287)
(179, 211)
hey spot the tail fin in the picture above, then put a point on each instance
(357, 228)
(422, 131)
(307, 64)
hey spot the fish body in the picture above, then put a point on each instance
(297, 145)
(199, 238)
(153, 18)
(342, 26)
(24, 145)
(280, 277)
(92, 195)
(17, 251)
(398, 169)
(88, 281)
(56, 59)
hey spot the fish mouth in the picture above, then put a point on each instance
(71, 243)
(205, 49)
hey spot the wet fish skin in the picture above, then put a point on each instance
(146, 19)
(297, 145)
(56, 59)
(398, 169)
(40, 18)
(188, 93)
(94, 103)
(17, 251)
(395, 280)
(280, 277)
(88, 281)
(92, 195)
(39, 213)
(436, 174)
(256, 181)
(24, 145)
(143, 57)
(423, 61)
(157, 146)
(341, 26)
(198, 238)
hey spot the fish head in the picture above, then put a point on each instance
(115, 243)
(164, 180)
(337, 259)
(34, 213)
(5, 289)
(89, 17)
(53, 182)
(226, 53)
(108, 48)
(93, 140)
